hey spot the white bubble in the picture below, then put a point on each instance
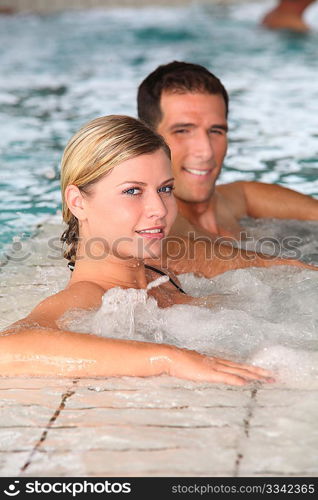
(267, 317)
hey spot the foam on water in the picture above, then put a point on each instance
(267, 317)
(285, 238)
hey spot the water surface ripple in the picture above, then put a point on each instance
(59, 71)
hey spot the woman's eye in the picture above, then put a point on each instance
(166, 189)
(132, 191)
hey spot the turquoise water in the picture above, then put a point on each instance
(59, 71)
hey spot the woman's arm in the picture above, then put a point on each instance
(45, 352)
(35, 346)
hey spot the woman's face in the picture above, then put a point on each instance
(132, 208)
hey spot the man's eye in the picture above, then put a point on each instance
(217, 131)
(166, 189)
(181, 131)
(132, 191)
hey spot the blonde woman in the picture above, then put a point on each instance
(118, 205)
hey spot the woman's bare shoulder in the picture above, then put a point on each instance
(80, 295)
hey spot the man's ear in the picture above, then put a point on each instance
(74, 200)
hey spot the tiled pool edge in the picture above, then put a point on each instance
(146, 427)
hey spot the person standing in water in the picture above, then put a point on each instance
(288, 14)
(118, 204)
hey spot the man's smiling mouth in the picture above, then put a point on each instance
(194, 171)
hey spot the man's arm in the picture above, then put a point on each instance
(273, 201)
(208, 259)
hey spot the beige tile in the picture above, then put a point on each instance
(136, 463)
(31, 383)
(153, 417)
(11, 463)
(19, 439)
(166, 397)
(44, 397)
(24, 416)
(130, 437)
(283, 448)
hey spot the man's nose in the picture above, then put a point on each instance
(204, 147)
(155, 206)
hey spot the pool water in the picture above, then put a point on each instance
(61, 70)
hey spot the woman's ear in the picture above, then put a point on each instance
(74, 200)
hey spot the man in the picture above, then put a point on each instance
(188, 106)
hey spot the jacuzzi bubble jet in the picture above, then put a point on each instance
(124, 313)
(296, 367)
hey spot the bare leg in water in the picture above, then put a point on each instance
(288, 15)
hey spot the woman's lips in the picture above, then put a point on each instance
(156, 232)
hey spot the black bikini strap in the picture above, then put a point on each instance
(159, 271)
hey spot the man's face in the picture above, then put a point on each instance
(195, 127)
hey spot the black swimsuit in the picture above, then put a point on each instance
(71, 266)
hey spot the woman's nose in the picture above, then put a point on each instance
(155, 206)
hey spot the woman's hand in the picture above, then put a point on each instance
(192, 365)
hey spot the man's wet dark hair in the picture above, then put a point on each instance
(178, 77)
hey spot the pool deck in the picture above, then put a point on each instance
(158, 426)
(47, 6)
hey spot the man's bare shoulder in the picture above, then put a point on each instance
(183, 228)
(230, 189)
(232, 196)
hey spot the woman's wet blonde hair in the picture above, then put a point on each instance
(98, 147)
